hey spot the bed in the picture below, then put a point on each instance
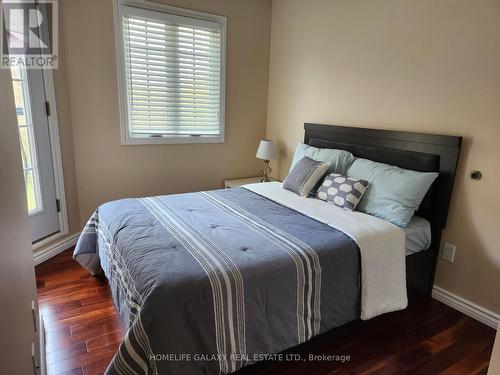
(210, 282)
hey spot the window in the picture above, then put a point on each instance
(171, 74)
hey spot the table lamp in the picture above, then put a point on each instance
(267, 151)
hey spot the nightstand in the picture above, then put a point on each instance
(242, 181)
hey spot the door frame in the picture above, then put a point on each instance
(55, 147)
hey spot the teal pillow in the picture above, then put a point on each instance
(394, 193)
(339, 160)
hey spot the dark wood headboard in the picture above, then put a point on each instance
(416, 151)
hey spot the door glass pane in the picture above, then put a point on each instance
(27, 140)
(19, 100)
(25, 147)
(30, 190)
(16, 72)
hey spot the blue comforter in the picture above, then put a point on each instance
(208, 282)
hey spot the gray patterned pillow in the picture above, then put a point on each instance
(304, 175)
(343, 191)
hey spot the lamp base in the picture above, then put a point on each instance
(266, 169)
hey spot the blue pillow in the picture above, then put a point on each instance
(339, 160)
(394, 193)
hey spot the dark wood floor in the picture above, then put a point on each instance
(84, 331)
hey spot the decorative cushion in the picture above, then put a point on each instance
(394, 193)
(304, 175)
(343, 191)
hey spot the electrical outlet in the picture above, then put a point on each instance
(449, 252)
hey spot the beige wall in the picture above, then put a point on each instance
(17, 278)
(428, 66)
(106, 170)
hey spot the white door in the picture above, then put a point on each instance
(31, 108)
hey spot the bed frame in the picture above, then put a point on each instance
(416, 151)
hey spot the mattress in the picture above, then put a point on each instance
(417, 235)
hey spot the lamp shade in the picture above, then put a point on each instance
(267, 150)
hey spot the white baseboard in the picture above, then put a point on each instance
(56, 248)
(464, 306)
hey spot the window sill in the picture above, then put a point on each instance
(181, 139)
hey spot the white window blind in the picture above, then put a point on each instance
(172, 68)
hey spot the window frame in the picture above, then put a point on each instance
(126, 137)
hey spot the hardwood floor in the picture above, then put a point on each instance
(84, 331)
